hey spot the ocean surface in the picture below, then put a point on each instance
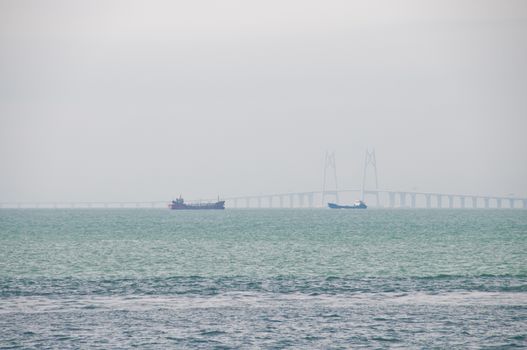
(263, 279)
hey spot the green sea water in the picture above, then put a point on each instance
(311, 278)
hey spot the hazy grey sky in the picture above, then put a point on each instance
(141, 100)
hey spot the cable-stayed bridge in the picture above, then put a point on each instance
(372, 195)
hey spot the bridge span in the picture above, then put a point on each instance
(316, 199)
(376, 198)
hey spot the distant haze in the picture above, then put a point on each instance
(144, 100)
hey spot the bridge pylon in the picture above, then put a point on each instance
(330, 163)
(370, 160)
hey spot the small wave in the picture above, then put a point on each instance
(382, 339)
(211, 333)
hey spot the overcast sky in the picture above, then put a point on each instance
(143, 100)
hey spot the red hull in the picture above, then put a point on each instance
(179, 205)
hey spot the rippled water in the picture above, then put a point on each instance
(263, 279)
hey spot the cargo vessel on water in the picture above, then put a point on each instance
(357, 205)
(179, 204)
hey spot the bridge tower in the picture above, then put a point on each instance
(370, 160)
(329, 163)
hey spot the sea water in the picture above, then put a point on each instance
(263, 279)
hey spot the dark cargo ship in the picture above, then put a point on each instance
(357, 205)
(179, 204)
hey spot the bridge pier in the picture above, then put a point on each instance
(511, 203)
(391, 199)
(281, 201)
(462, 200)
(524, 203)
(402, 198)
(301, 200)
(259, 202)
(439, 200)
(498, 203)
(310, 200)
(428, 201)
(474, 202)
(451, 201)
(412, 200)
(291, 200)
(486, 200)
